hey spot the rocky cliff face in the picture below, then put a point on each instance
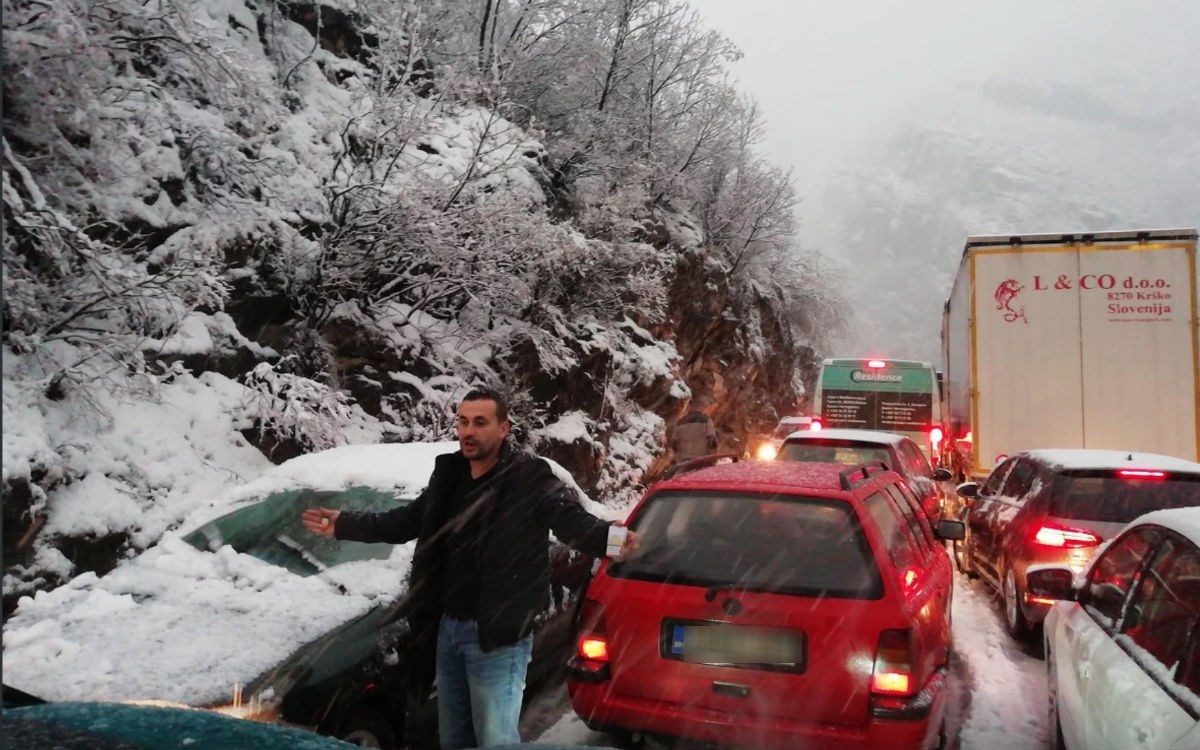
(347, 247)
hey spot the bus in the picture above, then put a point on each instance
(892, 395)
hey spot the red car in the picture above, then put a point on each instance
(773, 605)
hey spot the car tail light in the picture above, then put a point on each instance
(816, 425)
(594, 647)
(893, 674)
(1053, 535)
(590, 662)
(876, 364)
(1141, 474)
(593, 638)
(936, 436)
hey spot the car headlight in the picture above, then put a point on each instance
(261, 707)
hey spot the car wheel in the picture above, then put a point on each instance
(369, 728)
(1014, 615)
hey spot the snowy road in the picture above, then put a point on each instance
(1000, 686)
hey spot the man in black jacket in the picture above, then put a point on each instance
(481, 571)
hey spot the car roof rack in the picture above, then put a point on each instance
(699, 463)
(861, 473)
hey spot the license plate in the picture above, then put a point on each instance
(734, 644)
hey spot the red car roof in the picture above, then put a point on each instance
(797, 475)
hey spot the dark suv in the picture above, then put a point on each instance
(1054, 508)
(772, 604)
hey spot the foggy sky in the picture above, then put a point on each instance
(1094, 102)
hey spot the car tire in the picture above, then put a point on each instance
(1014, 616)
(368, 727)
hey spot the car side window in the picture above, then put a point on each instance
(1165, 608)
(911, 510)
(892, 528)
(1113, 575)
(996, 479)
(917, 462)
(1020, 479)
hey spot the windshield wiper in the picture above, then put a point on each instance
(309, 558)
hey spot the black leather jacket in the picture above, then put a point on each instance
(517, 509)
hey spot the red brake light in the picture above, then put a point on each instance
(816, 425)
(593, 639)
(892, 673)
(593, 648)
(1141, 474)
(936, 436)
(876, 364)
(1050, 535)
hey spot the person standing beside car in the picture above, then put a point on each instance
(694, 434)
(481, 571)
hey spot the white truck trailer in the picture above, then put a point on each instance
(1072, 341)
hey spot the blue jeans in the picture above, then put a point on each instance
(479, 694)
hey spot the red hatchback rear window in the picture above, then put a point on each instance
(779, 544)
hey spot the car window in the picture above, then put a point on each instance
(911, 510)
(1165, 608)
(917, 463)
(893, 528)
(271, 531)
(1020, 480)
(779, 543)
(996, 478)
(1103, 495)
(834, 451)
(1113, 575)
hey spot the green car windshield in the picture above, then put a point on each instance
(271, 531)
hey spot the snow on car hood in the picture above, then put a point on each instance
(179, 624)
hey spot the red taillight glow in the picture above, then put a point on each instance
(593, 647)
(1141, 474)
(892, 673)
(936, 436)
(593, 640)
(909, 578)
(890, 683)
(876, 364)
(816, 425)
(1060, 536)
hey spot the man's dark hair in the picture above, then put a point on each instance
(483, 393)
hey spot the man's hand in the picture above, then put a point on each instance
(320, 521)
(629, 546)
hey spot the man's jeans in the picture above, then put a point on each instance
(479, 694)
